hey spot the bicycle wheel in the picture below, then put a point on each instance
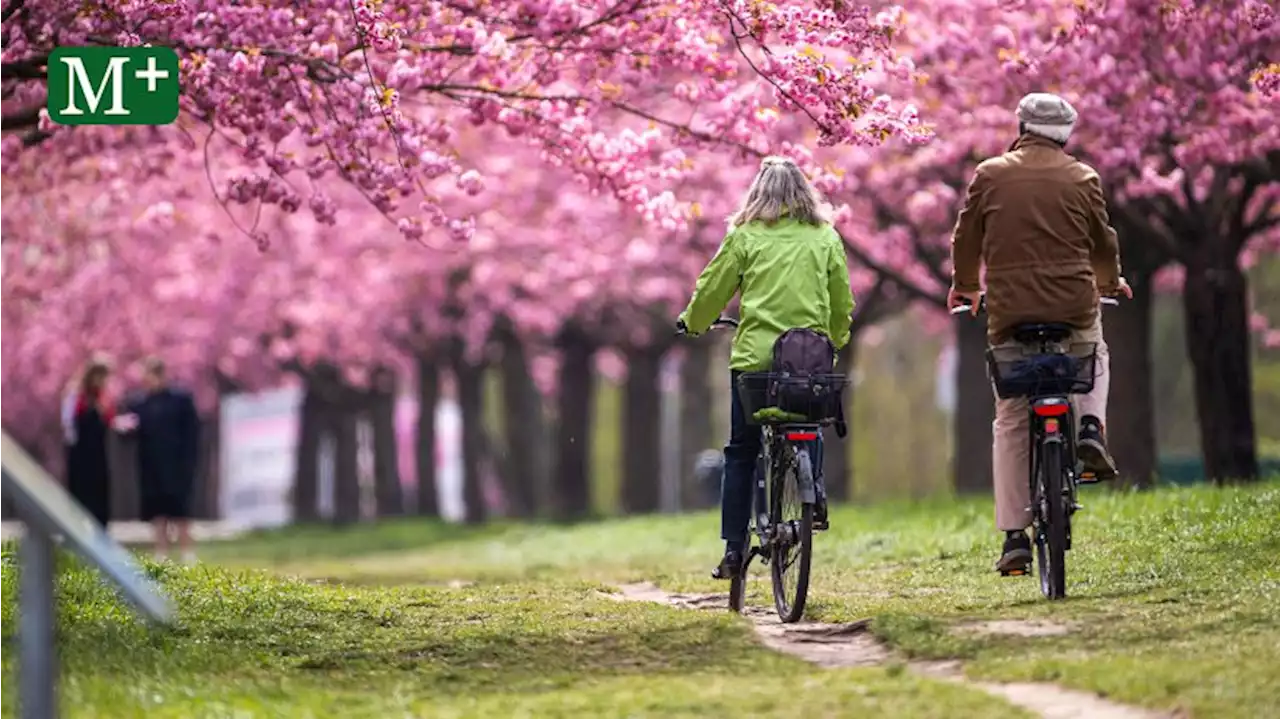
(1051, 537)
(791, 523)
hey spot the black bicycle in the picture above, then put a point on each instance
(785, 491)
(1046, 368)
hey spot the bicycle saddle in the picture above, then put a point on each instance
(1041, 332)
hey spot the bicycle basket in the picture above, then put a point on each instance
(1024, 371)
(779, 398)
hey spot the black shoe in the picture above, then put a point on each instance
(820, 521)
(819, 517)
(1016, 556)
(730, 566)
(1096, 462)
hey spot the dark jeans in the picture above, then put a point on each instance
(741, 467)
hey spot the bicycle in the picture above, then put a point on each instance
(1043, 369)
(785, 491)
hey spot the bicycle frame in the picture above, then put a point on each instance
(786, 443)
(1051, 510)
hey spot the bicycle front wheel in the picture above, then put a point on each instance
(791, 525)
(1051, 537)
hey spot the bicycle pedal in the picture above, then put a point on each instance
(1013, 573)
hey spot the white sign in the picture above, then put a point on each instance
(259, 452)
(259, 433)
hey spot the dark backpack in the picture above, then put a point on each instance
(801, 354)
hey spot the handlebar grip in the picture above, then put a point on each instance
(683, 331)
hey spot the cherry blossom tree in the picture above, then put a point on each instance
(1150, 116)
(374, 92)
(1182, 95)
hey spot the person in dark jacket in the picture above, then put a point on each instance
(167, 433)
(87, 414)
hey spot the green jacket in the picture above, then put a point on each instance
(791, 274)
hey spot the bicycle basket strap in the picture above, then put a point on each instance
(803, 352)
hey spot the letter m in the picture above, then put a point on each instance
(78, 77)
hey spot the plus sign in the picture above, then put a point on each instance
(151, 74)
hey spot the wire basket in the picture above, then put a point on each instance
(777, 398)
(1025, 371)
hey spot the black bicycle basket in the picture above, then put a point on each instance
(779, 398)
(1025, 371)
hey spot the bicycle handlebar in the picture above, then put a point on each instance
(982, 305)
(720, 322)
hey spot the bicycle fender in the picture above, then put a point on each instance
(804, 476)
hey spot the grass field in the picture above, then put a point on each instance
(1175, 605)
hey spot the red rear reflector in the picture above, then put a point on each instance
(802, 436)
(1051, 426)
(1052, 410)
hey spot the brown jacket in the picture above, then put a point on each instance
(1036, 217)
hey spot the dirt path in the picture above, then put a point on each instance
(853, 645)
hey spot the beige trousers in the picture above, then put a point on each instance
(1011, 450)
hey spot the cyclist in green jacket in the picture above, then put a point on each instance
(789, 263)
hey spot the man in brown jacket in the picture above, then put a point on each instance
(1036, 218)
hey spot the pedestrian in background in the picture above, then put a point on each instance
(87, 413)
(167, 432)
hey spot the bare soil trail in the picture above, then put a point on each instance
(853, 645)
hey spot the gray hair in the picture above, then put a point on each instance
(780, 189)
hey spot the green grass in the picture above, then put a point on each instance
(309, 541)
(1175, 594)
(254, 644)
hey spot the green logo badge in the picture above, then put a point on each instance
(113, 86)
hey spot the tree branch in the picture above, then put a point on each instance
(892, 275)
(32, 68)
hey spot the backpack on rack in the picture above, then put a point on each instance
(802, 359)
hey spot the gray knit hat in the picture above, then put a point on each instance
(1047, 115)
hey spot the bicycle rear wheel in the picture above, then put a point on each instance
(791, 524)
(1051, 535)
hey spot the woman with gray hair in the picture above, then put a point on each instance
(788, 262)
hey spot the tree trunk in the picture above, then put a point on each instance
(1131, 421)
(428, 497)
(525, 465)
(386, 450)
(1216, 312)
(837, 452)
(697, 429)
(471, 403)
(641, 438)
(573, 432)
(975, 409)
(306, 473)
(204, 499)
(211, 433)
(342, 422)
